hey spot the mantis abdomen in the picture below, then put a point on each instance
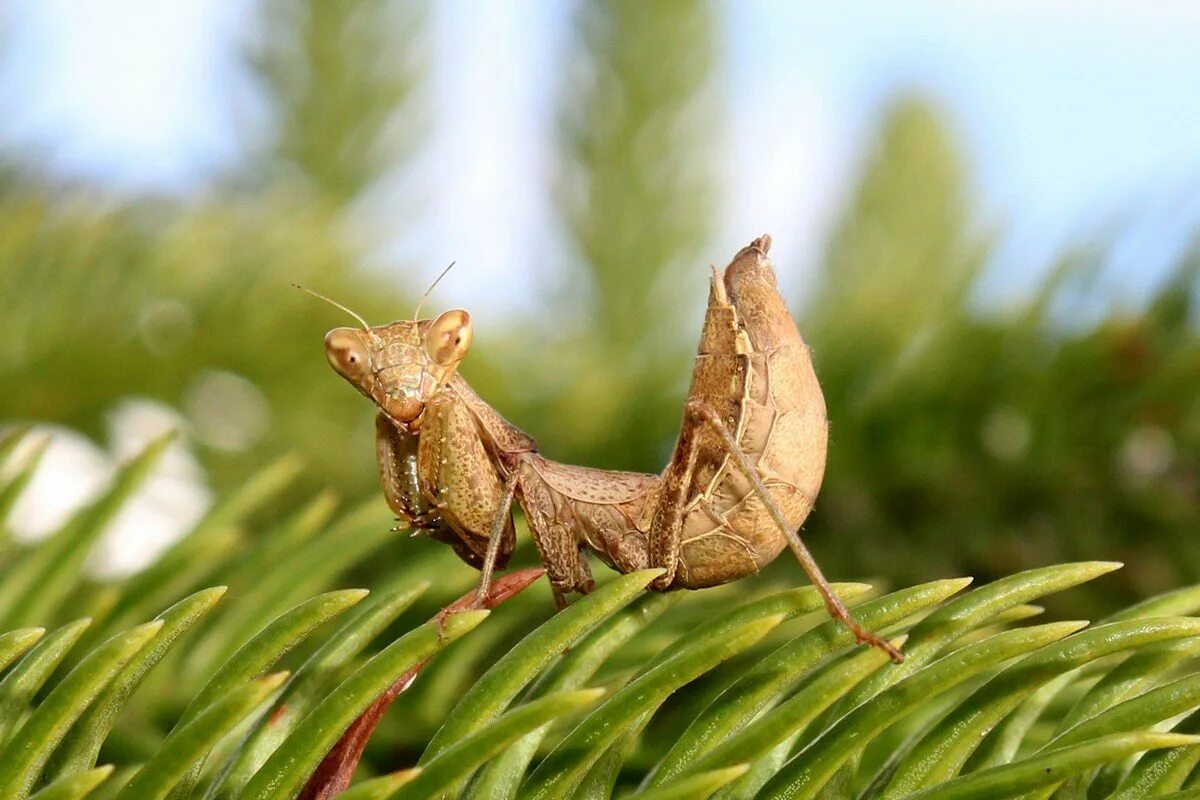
(755, 372)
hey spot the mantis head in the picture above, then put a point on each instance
(400, 366)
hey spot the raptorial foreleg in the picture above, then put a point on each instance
(702, 412)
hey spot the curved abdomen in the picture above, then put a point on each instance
(755, 371)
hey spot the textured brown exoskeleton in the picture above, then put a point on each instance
(742, 479)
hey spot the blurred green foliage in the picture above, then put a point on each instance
(146, 300)
(637, 191)
(339, 80)
(969, 437)
(965, 438)
(258, 666)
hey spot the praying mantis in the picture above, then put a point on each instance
(742, 478)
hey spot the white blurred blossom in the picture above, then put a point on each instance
(74, 471)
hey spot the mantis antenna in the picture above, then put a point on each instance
(334, 303)
(417, 312)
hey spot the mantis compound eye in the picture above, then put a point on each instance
(347, 352)
(449, 337)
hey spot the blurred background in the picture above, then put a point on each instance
(985, 219)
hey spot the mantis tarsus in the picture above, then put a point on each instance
(742, 478)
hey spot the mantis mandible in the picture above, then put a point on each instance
(742, 478)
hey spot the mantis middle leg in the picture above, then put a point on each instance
(556, 543)
(495, 537)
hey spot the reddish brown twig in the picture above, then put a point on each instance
(334, 773)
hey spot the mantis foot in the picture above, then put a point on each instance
(864, 636)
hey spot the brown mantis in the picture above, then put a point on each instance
(742, 478)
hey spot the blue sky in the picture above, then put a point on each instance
(1071, 113)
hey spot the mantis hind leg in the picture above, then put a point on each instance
(705, 414)
(666, 528)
